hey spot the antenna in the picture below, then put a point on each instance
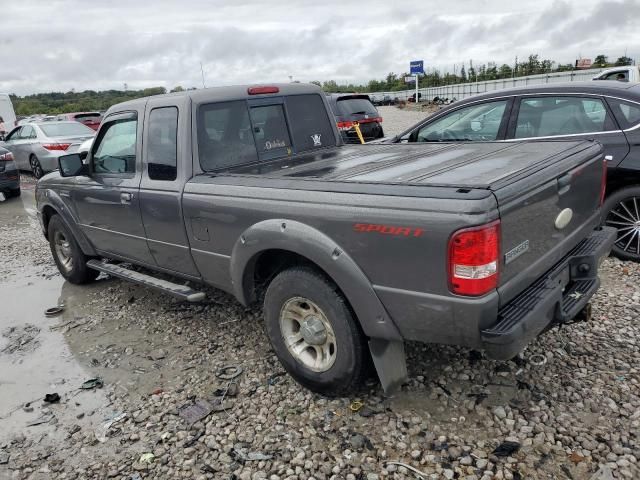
(202, 71)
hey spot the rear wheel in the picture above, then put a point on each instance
(36, 168)
(71, 261)
(622, 211)
(314, 333)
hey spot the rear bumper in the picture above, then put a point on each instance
(556, 297)
(9, 180)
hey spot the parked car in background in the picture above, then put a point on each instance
(607, 111)
(37, 146)
(352, 108)
(624, 74)
(6, 113)
(9, 174)
(90, 119)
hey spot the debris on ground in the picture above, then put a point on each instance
(506, 448)
(4, 458)
(242, 455)
(196, 411)
(147, 458)
(410, 468)
(54, 311)
(229, 372)
(92, 383)
(52, 398)
(102, 431)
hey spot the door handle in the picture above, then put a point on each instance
(126, 197)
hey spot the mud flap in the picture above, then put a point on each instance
(390, 362)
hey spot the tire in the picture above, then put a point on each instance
(15, 192)
(622, 211)
(36, 168)
(71, 261)
(342, 366)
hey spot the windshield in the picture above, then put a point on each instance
(356, 106)
(67, 129)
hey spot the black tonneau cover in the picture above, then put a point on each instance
(477, 165)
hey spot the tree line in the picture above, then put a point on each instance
(90, 100)
(532, 65)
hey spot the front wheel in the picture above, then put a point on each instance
(71, 261)
(622, 211)
(314, 333)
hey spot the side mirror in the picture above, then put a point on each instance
(71, 165)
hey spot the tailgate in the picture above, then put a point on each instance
(545, 213)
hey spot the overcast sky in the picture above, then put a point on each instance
(57, 45)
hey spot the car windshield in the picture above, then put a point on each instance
(356, 106)
(69, 129)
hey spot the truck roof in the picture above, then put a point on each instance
(233, 92)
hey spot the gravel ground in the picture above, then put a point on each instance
(570, 406)
(395, 120)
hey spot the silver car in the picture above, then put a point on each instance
(37, 146)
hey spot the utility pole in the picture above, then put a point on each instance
(202, 71)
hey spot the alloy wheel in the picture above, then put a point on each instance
(308, 334)
(36, 168)
(63, 251)
(625, 216)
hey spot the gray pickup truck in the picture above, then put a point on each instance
(353, 249)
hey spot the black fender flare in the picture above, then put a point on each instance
(306, 241)
(51, 198)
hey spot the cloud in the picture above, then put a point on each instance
(71, 44)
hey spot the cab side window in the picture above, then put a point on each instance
(559, 116)
(162, 144)
(115, 149)
(479, 122)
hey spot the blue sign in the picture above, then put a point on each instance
(416, 67)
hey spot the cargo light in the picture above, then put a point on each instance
(262, 90)
(56, 146)
(474, 256)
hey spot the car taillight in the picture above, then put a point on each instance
(262, 90)
(56, 146)
(6, 157)
(474, 259)
(603, 184)
(345, 125)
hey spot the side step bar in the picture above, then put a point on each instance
(180, 291)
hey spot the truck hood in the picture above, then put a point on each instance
(485, 165)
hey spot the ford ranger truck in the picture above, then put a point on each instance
(353, 249)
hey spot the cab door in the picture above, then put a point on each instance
(107, 201)
(167, 166)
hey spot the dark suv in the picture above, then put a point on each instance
(354, 108)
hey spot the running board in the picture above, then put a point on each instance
(180, 291)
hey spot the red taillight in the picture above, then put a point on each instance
(56, 146)
(603, 185)
(474, 259)
(7, 157)
(345, 125)
(262, 90)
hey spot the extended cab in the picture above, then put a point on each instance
(354, 248)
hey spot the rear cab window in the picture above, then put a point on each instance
(244, 132)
